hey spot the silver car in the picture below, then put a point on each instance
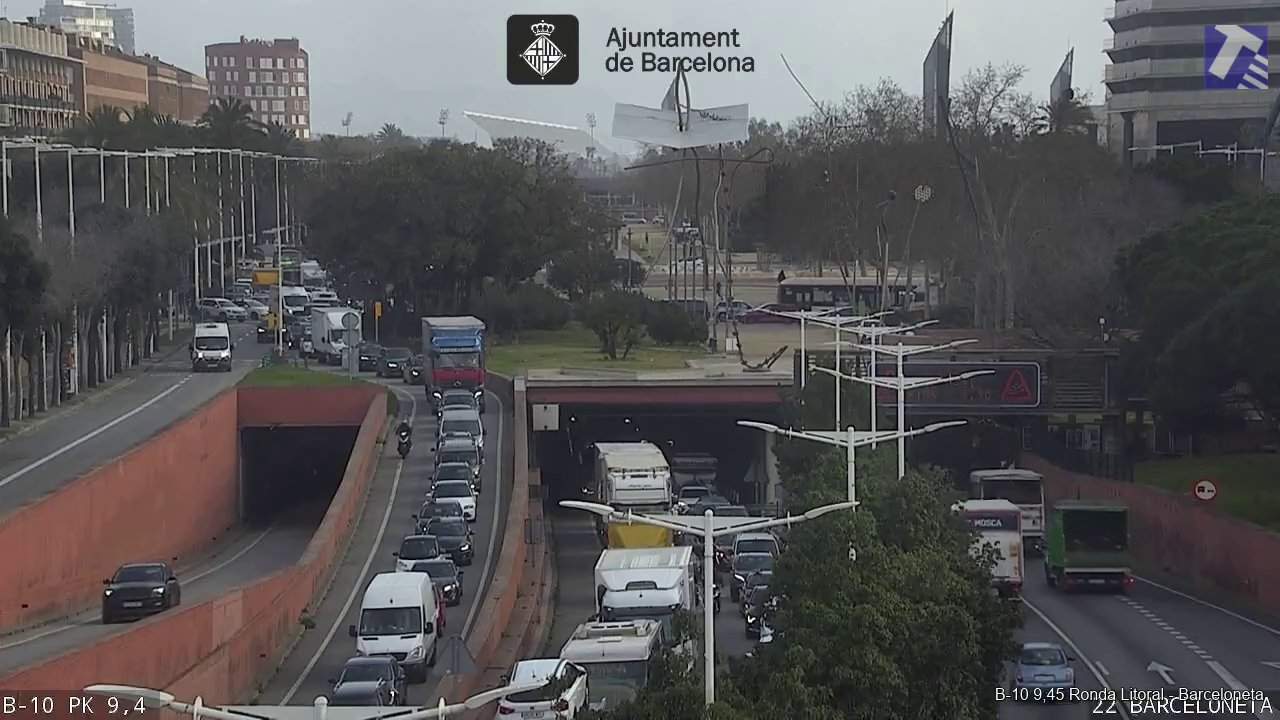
(1044, 669)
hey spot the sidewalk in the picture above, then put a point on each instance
(165, 350)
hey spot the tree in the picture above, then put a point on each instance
(617, 318)
(24, 276)
(1067, 114)
(229, 123)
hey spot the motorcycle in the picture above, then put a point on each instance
(715, 603)
(405, 443)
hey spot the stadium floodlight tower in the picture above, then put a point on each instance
(677, 125)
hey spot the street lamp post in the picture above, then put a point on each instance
(708, 532)
(902, 384)
(849, 439)
(279, 268)
(139, 699)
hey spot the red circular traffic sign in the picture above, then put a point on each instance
(1205, 489)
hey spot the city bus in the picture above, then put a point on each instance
(809, 293)
(1024, 488)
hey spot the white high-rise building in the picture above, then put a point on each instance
(98, 20)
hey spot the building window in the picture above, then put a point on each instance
(264, 62)
(302, 91)
(208, 61)
(302, 63)
(253, 76)
(268, 77)
(232, 60)
(299, 77)
(277, 105)
(213, 75)
(248, 62)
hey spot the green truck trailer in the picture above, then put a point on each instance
(1087, 546)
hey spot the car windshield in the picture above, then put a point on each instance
(466, 457)
(397, 353)
(1043, 656)
(448, 528)
(468, 427)
(363, 672)
(752, 562)
(140, 573)
(390, 621)
(438, 570)
(369, 349)
(754, 546)
(453, 471)
(295, 301)
(452, 490)
(694, 491)
(431, 510)
(760, 578)
(457, 360)
(549, 691)
(418, 548)
(759, 594)
(212, 342)
(355, 697)
(616, 682)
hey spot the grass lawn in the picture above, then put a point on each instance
(1248, 484)
(577, 347)
(294, 376)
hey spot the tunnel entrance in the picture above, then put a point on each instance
(565, 456)
(292, 473)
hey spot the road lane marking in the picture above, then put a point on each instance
(491, 557)
(86, 438)
(93, 621)
(1102, 668)
(1208, 604)
(1233, 683)
(1102, 680)
(358, 585)
(1160, 623)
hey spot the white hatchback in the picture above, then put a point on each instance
(456, 491)
(564, 694)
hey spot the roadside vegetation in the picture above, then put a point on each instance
(1246, 482)
(287, 375)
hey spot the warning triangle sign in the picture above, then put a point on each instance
(1016, 389)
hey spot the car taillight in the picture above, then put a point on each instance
(560, 705)
(505, 710)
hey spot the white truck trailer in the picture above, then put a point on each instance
(998, 523)
(645, 583)
(333, 332)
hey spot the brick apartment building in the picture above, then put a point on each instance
(107, 76)
(36, 78)
(175, 92)
(271, 76)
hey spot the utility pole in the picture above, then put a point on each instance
(444, 120)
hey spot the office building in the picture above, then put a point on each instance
(271, 76)
(175, 92)
(1162, 94)
(36, 80)
(106, 76)
(97, 20)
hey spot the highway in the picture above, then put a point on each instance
(251, 555)
(1153, 639)
(397, 493)
(65, 447)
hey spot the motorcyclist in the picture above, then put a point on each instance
(404, 430)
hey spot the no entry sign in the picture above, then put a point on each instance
(1205, 489)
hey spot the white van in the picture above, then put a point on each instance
(397, 618)
(211, 347)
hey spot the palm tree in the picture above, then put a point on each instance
(391, 135)
(280, 140)
(1067, 114)
(230, 124)
(104, 127)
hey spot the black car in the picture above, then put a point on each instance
(393, 362)
(454, 537)
(458, 398)
(370, 354)
(432, 510)
(446, 576)
(759, 578)
(138, 590)
(376, 680)
(453, 471)
(744, 564)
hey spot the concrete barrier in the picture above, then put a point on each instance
(167, 498)
(1182, 536)
(515, 613)
(220, 649)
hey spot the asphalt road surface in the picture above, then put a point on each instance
(397, 493)
(253, 555)
(67, 446)
(1156, 641)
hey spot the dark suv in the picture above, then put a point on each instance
(375, 680)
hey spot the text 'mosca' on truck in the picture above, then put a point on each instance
(453, 354)
(1088, 546)
(998, 523)
(632, 476)
(1023, 488)
(211, 347)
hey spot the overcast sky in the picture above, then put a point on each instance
(402, 61)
